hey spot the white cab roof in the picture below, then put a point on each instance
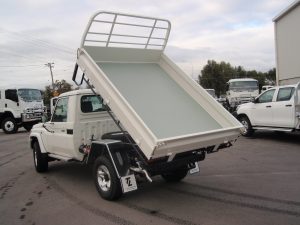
(76, 92)
(241, 79)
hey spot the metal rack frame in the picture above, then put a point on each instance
(145, 40)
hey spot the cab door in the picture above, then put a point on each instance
(262, 114)
(284, 108)
(59, 138)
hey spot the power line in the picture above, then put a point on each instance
(20, 65)
(44, 42)
(39, 42)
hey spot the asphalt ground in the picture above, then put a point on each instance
(257, 181)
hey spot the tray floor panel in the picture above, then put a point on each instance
(160, 102)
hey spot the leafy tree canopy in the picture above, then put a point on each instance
(60, 86)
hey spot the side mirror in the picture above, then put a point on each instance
(253, 100)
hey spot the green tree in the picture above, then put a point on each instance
(271, 76)
(60, 86)
(215, 75)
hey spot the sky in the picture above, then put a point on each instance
(33, 33)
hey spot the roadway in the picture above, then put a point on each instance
(257, 181)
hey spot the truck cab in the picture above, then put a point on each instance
(20, 107)
(73, 122)
(277, 108)
(239, 91)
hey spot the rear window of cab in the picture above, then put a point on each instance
(91, 103)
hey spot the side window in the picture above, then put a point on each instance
(266, 97)
(60, 113)
(54, 102)
(285, 94)
(11, 94)
(91, 103)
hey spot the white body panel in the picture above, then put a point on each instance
(287, 36)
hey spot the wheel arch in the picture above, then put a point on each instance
(37, 138)
(114, 151)
(6, 114)
(243, 115)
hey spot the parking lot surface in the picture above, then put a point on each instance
(257, 181)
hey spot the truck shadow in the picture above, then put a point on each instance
(293, 138)
(71, 170)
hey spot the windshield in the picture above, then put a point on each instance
(211, 92)
(30, 95)
(243, 85)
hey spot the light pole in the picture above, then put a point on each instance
(51, 65)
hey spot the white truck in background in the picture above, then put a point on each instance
(239, 91)
(20, 107)
(143, 116)
(276, 109)
(212, 92)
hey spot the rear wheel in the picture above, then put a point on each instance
(106, 180)
(40, 159)
(175, 175)
(248, 131)
(9, 125)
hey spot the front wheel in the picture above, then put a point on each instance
(248, 131)
(106, 180)
(175, 175)
(9, 125)
(40, 159)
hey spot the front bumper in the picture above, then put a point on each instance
(31, 117)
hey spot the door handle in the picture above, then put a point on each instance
(288, 105)
(268, 106)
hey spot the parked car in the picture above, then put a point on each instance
(276, 109)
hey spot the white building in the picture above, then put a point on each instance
(287, 44)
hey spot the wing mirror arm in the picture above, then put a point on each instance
(254, 100)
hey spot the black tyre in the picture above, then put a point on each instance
(248, 131)
(28, 126)
(9, 125)
(40, 159)
(106, 180)
(175, 175)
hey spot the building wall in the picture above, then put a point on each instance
(287, 36)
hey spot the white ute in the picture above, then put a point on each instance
(276, 109)
(144, 116)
